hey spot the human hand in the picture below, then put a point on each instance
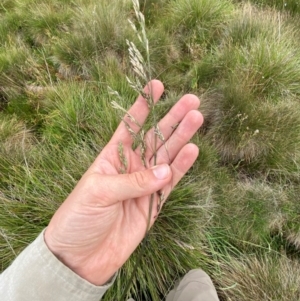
(105, 217)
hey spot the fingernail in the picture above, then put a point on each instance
(161, 171)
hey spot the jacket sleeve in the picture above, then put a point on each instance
(36, 274)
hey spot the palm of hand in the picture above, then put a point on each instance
(105, 217)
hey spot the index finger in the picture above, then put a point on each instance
(139, 111)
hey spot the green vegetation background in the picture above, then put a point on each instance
(237, 213)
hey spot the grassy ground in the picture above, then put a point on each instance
(237, 213)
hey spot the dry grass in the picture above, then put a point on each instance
(260, 278)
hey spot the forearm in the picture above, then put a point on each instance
(36, 274)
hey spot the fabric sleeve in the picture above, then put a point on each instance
(36, 274)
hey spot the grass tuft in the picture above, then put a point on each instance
(260, 278)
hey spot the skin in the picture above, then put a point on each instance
(104, 219)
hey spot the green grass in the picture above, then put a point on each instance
(236, 213)
(290, 6)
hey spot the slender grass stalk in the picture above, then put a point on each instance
(142, 69)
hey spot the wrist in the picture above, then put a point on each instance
(78, 264)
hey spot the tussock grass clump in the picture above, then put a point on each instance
(263, 138)
(259, 50)
(196, 26)
(265, 68)
(14, 135)
(252, 112)
(260, 54)
(252, 212)
(10, 23)
(49, 21)
(23, 80)
(12, 61)
(200, 18)
(165, 57)
(79, 112)
(34, 22)
(103, 27)
(268, 277)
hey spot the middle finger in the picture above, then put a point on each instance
(168, 124)
(181, 136)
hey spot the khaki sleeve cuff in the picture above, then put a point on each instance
(36, 274)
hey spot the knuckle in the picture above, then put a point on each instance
(139, 180)
(92, 184)
(95, 190)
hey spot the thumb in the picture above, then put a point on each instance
(113, 188)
